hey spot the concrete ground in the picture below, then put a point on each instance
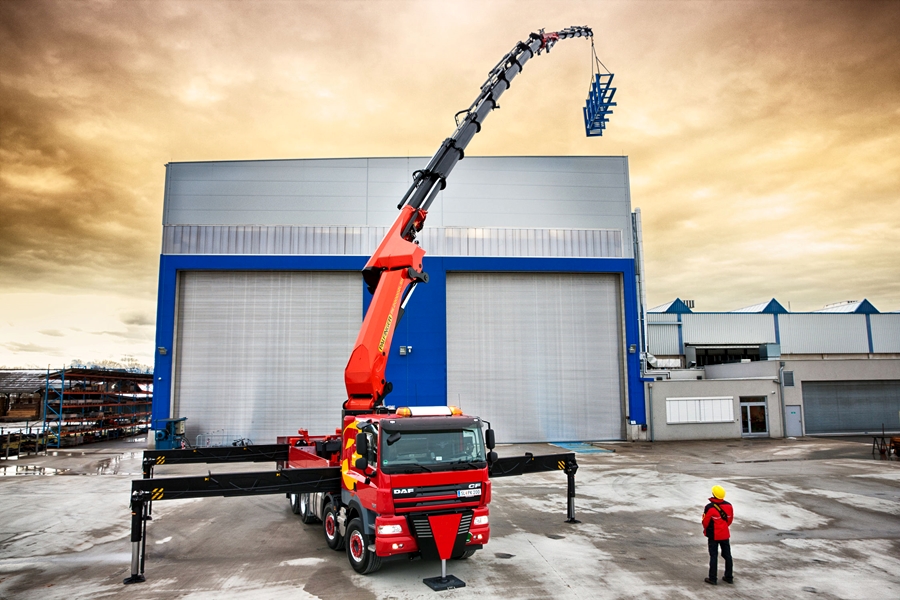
(815, 518)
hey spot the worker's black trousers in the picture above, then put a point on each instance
(714, 558)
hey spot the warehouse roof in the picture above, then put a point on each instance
(22, 382)
(772, 307)
(851, 306)
(675, 306)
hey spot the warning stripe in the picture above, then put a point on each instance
(157, 494)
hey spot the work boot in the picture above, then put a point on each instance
(710, 581)
(728, 579)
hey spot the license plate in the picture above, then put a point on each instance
(468, 493)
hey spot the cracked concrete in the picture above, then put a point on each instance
(815, 518)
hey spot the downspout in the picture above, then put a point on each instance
(638, 234)
(783, 407)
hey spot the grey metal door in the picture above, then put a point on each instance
(260, 354)
(539, 355)
(794, 422)
(851, 406)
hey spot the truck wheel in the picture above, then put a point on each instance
(307, 515)
(363, 560)
(333, 536)
(295, 504)
(467, 553)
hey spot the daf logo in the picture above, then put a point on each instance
(403, 491)
(474, 485)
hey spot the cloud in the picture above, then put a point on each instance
(29, 348)
(52, 332)
(140, 319)
(763, 138)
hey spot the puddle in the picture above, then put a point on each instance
(29, 470)
(109, 466)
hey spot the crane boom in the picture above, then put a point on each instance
(395, 268)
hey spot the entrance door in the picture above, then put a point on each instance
(754, 417)
(794, 423)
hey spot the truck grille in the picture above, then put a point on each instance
(421, 528)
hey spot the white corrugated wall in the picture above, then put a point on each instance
(537, 354)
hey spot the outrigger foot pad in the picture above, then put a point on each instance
(573, 521)
(135, 579)
(439, 584)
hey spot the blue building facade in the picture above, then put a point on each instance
(561, 226)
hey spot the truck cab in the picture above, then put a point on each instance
(414, 483)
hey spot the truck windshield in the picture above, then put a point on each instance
(421, 451)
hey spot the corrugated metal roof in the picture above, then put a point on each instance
(851, 306)
(675, 306)
(22, 382)
(773, 306)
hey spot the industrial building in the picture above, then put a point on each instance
(530, 318)
(762, 371)
(533, 317)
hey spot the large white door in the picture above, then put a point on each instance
(539, 355)
(261, 354)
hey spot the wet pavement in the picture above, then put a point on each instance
(815, 518)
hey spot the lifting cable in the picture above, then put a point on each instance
(596, 63)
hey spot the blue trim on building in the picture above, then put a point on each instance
(419, 378)
(869, 333)
(680, 336)
(777, 329)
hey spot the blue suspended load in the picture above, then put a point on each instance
(598, 105)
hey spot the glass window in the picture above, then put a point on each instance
(417, 451)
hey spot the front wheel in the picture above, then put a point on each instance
(333, 536)
(467, 553)
(295, 504)
(362, 559)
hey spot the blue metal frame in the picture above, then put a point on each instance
(419, 378)
(597, 106)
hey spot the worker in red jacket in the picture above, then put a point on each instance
(717, 518)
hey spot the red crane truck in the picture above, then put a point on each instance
(411, 482)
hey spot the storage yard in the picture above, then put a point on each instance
(814, 518)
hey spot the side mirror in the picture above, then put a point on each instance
(362, 444)
(362, 448)
(489, 439)
(492, 457)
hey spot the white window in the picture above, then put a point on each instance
(719, 409)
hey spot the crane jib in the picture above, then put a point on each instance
(397, 262)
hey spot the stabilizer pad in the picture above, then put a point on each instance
(439, 584)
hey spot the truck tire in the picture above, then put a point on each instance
(333, 536)
(362, 559)
(467, 553)
(295, 503)
(307, 514)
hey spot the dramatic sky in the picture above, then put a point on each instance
(763, 136)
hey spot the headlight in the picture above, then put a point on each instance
(389, 529)
(483, 520)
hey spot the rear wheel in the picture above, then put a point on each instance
(333, 536)
(295, 504)
(362, 559)
(307, 514)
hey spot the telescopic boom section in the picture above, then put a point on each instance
(395, 268)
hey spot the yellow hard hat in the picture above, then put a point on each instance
(719, 492)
